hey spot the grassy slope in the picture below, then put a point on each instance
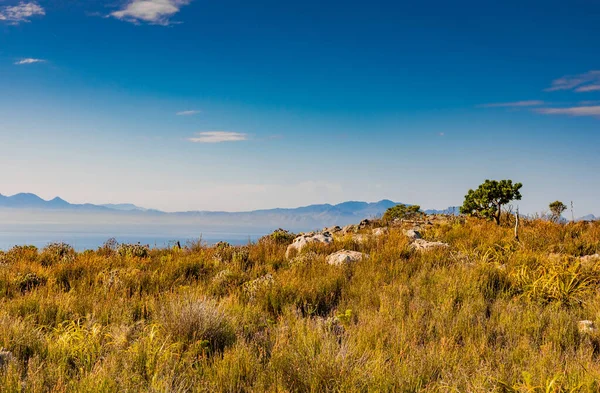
(487, 314)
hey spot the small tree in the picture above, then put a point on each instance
(556, 209)
(487, 200)
(402, 212)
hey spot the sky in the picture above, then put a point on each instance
(236, 105)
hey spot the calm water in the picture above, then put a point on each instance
(83, 241)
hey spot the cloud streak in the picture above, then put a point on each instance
(589, 81)
(187, 113)
(512, 104)
(218, 137)
(21, 12)
(29, 61)
(571, 111)
(157, 12)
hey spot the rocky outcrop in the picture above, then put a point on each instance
(345, 257)
(424, 245)
(302, 241)
(412, 234)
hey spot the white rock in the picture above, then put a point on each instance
(302, 241)
(590, 258)
(586, 326)
(344, 257)
(379, 231)
(424, 245)
(412, 234)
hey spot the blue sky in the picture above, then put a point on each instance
(230, 105)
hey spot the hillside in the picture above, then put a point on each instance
(464, 308)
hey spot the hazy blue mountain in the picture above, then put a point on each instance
(589, 217)
(123, 207)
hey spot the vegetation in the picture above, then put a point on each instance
(487, 200)
(402, 212)
(557, 208)
(486, 314)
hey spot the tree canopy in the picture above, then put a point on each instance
(556, 209)
(402, 212)
(487, 200)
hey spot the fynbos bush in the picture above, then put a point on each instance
(134, 250)
(57, 252)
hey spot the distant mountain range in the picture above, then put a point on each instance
(310, 216)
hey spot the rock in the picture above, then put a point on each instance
(302, 241)
(586, 326)
(364, 224)
(333, 230)
(379, 231)
(424, 245)
(344, 257)
(5, 358)
(590, 258)
(349, 229)
(412, 234)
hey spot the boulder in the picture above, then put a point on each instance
(590, 258)
(424, 245)
(379, 231)
(364, 224)
(333, 230)
(412, 234)
(344, 257)
(349, 229)
(302, 241)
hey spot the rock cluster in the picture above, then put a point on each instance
(303, 240)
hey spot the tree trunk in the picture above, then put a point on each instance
(498, 213)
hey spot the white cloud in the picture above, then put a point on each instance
(589, 81)
(187, 113)
(571, 111)
(29, 61)
(156, 12)
(218, 137)
(21, 12)
(513, 104)
(588, 88)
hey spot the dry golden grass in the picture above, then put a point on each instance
(486, 314)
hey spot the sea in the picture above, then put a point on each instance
(82, 241)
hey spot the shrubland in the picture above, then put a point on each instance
(488, 313)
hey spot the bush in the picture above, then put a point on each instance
(279, 236)
(198, 321)
(402, 212)
(57, 252)
(134, 250)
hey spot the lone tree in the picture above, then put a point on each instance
(487, 200)
(402, 212)
(556, 209)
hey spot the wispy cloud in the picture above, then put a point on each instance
(187, 113)
(571, 111)
(156, 12)
(218, 137)
(589, 81)
(512, 104)
(21, 12)
(29, 61)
